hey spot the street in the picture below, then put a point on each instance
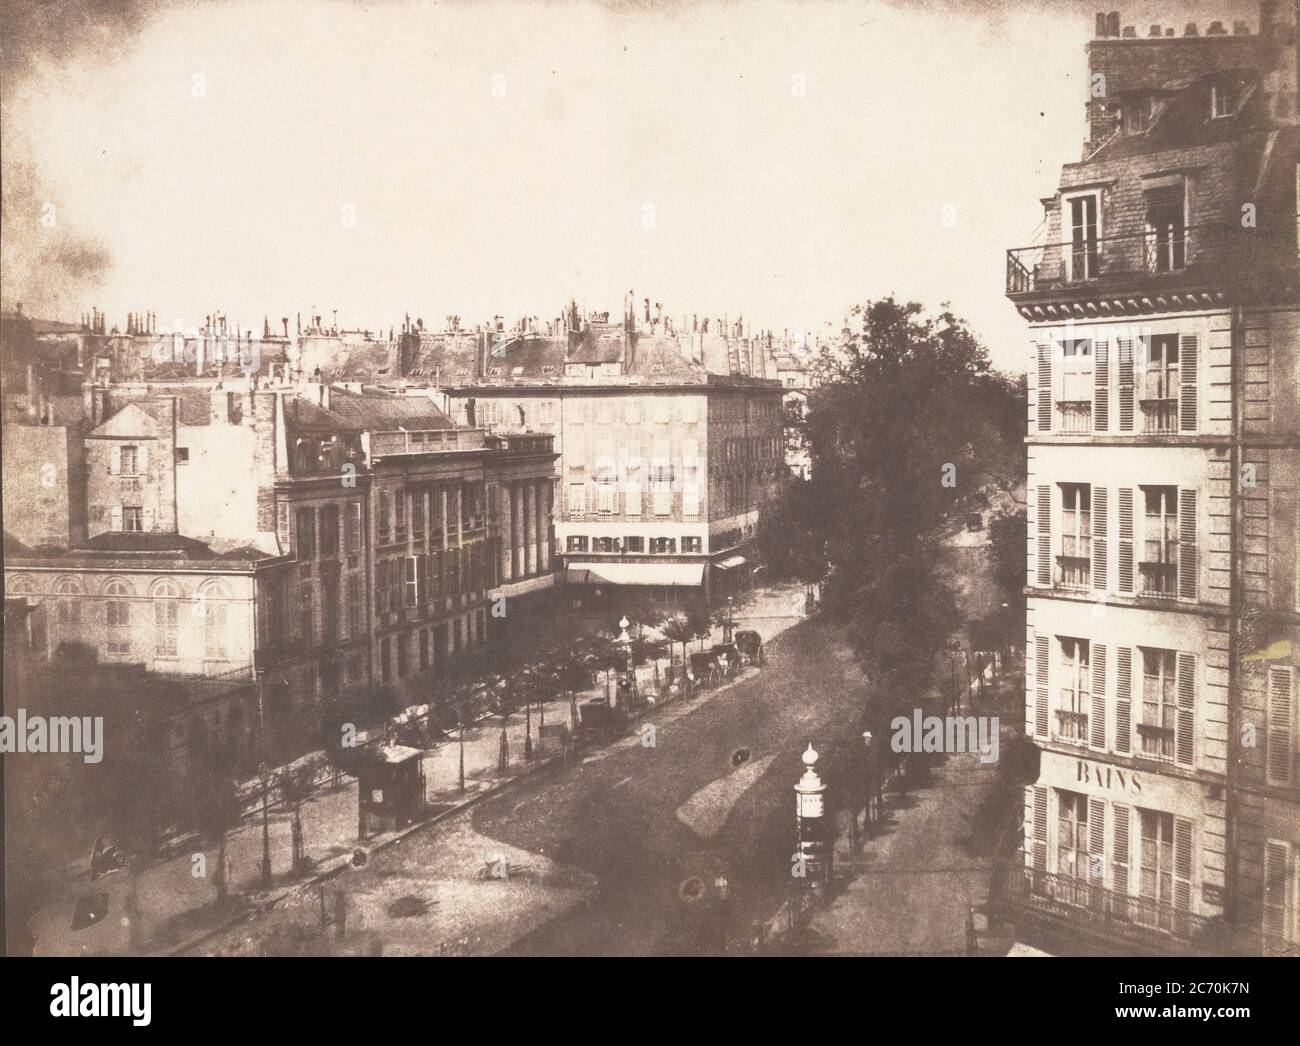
(620, 855)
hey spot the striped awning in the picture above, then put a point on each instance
(681, 574)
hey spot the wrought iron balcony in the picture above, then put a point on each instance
(1157, 741)
(1071, 726)
(1073, 571)
(1219, 254)
(1159, 415)
(1075, 416)
(1131, 923)
(1159, 580)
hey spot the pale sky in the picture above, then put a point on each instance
(500, 157)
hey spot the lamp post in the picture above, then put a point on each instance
(265, 773)
(624, 643)
(461, 776)
(726, 632)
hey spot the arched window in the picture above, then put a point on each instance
(68, 606)
(166, 617)
(117, 614)
(20, 585)
(212, 600)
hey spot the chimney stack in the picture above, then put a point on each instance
(1216, 29)
(1101, 23)
(1112, 24)
(1157, 31)
(1240, 28)
(1191, 30)
(1130, 32)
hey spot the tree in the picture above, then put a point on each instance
(214, 811)
(296, 786)
(908, 420)
(790, 538)
(679, 629)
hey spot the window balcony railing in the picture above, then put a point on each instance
(1159, 415)
(1222, 251)
(1074, 905)
(1158, 580)
(1073, 572)
(1157, 741)
(1075, 416)
(1072, 726)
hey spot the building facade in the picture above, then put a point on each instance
(1162, 586)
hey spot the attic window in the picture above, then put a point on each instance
(1223, 100)
(516, 371)
(1137, 112)
(495, 372)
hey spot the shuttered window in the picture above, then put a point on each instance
(1097, 725)
(1185, 740)
(1187, 558)
(1041, 691)
(1281, 921)
(1038, 799)
(1097, 852)
(1100, 537)
(1101, 387)
(1126, 392)
(1044, 388)
(1125, 579)
(1280, 750)
(1188, 387)
(1119, 854)
(1044, 575)
(1124, 699)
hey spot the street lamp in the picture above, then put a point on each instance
(624, 643)
(726, 638)
(265, 773)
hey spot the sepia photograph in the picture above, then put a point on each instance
(652, 479)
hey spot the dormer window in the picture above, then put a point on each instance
(1223, 100)
(1137, 112)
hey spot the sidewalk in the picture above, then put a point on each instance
(174, 899)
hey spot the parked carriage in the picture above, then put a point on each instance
(750, 645)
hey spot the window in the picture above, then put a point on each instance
(354, 527)
(417, 516)
(1157, 857)
(1137, 112)
(329, 609)
(129, 462)
(634, 544)
(1281, 922)
(604, 545)
(381, 520)
(329, 532)
(118, 616)
(1159, 565)
(577, 500)
(424, 649)
(1076, 369)
(386, 659)
(1073, 855)
(1075, 692)
(1223, 100)
(403, 655)
(632, 497)
(1159, 703)
(1084, 260)
(166, 618)
(399, 514)
(182, 455)
(690, 544)
(663, 499)
(214, 622)
(606, 496)
(663, 546)
(306, 533)
(1159, 401)
(576, 543)
(355, 601)
(1076, 535)
(1166, 236)
(132, 519)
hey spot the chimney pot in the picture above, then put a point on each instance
(1130, 32)
(1101, 23)
(1169, 31)
(1216, 29)
(1191, 30)
(1240, 28)
(1157, 31)
(1112, 24)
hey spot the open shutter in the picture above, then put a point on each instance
(1097, 718)
(1097, 851)
(1280, 743)
(1040, 686)
(147, 521)
(1277, 882)
(1044, 578)
(1101, 386)
(1188, 352)
(1039, 828)
(1100, 534)
(1044, 388)
(1182, 872)
(142, 461)
(1125, 580)
(115, 460)
(116, 518)
(1125, 346)
(1185, 745)
(1187, 559)
(1124, 699)
(284, 527)
(1119, 848)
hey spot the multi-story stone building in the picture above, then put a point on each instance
(334, 552)
(1161, 681)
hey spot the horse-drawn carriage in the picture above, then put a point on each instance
(750, 645)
